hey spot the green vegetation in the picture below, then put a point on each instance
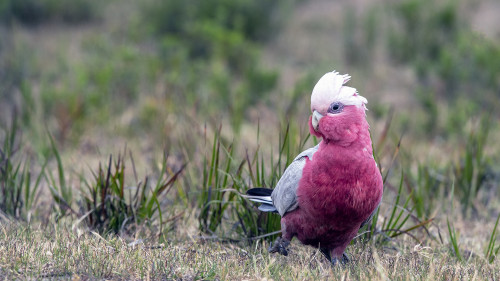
(491, 251)
(33, 12)
(209, 51)
(207, 97)
(450, 61)
(225, 178)
(18, 192)
(111, 206)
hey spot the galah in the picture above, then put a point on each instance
(330, 190)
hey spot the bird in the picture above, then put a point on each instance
(331, 190)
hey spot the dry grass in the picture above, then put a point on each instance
(60, 253)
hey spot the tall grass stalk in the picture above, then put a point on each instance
(61, 191)
(393, 225)
(427, 190)
(469, 173)
(491, 251)
(18, 194)
(454, 240)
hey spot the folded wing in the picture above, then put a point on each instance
(284, 195)
(283, 198)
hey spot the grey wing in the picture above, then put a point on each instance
(284, 195)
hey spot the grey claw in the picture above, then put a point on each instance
(279, 246)
(343, 261)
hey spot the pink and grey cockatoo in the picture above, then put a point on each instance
(331, 190)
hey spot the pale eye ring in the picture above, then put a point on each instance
(336, 107)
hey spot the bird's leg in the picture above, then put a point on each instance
(279, 246)
(328, 256)
(326, 253)
(345, 259)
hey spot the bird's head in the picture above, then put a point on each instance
(338, 111)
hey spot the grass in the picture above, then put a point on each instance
(454, 241)
(110, 206)
(225, 177)
(110, 257)
(472, 168)
(401, 245)
(107, 204)
(61, 191)
(491, 250)
(18, 192)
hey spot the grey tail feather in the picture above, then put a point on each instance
(268, 208)
(262, 195)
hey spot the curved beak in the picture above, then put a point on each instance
(316, 116)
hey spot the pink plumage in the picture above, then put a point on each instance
(329, 191)
(339, 189)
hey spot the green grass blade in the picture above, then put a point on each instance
(453, 238)
(398, 196)
(490, 250)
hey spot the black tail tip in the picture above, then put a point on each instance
(259, 191)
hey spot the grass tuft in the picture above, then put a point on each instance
(108, 205)
(470, 172)
(18, 193)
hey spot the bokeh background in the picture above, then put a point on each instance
(88, 70)
(174, 77)
(145, 68)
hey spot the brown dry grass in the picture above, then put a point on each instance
(57, 253)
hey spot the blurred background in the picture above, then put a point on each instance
(166, 75)
(91, 71)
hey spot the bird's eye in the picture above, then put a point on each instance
(335, 107)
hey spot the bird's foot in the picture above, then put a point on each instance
(279, 246)
(343, 260)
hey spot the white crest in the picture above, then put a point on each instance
(330, 88)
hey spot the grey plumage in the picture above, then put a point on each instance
(284, 196)
(267, 208)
